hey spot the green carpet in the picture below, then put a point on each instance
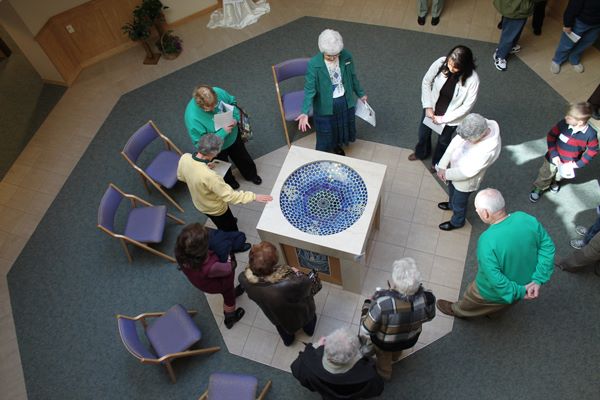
(71, 279)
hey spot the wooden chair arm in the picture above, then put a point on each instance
(187, 353)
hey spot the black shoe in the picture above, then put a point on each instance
(234, 184)
(239, 290)
(257, 180)
(435, 21)
(232, 318)
(447, 226)
(537, 32)
(499, 24)
(444, 205)
(339, 151)
(245, 247)
(421, 20)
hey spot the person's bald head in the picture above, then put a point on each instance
(490, 205)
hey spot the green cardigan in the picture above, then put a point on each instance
(512, 253)
(318, 89)
(200, 122)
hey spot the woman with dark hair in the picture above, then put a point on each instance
(212, 272)
(282, 292)
(448, 93)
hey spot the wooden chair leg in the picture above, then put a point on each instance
(204, 396)
(170, 371)
(263, 392)
(145, 183)
(126, 250)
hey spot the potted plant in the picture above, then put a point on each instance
(169, 45)
(139, 31)
(152, 12)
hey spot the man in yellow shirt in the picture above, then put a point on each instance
(210, 194)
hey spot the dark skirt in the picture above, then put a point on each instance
(338, 129)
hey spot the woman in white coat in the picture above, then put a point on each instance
(448, 93)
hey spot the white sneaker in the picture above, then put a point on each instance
(515, 49)
(577, 243)
(500, 63)
(581, 230)
(554, 67)
(578, 67)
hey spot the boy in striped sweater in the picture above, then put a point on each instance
(572, 143)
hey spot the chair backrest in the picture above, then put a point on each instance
(291, 68)
(131, 339)
(226, 386)
(139, 141)
(108, 207)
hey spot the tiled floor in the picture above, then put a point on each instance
(40, 171)
(409, 230)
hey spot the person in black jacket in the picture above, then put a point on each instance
(582, 18)
(283, 293)
(336, 369)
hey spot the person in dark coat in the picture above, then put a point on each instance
(212, 271)
(283, 293)
(336, 369)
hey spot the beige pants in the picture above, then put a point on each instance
(473, 305)
(547, 174)
(385, 359)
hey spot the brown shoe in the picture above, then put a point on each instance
(412, 157)
(445, 307)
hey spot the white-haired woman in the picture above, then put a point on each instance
(475, 147)
(336, 369)
(210, 194)
(392, 318)
(330, 88)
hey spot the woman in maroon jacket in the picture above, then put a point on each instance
(205, 270)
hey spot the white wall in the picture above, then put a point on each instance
(20, 33)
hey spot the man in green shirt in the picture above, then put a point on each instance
(515, 256)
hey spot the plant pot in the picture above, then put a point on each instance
(151, 57)
(171, 56)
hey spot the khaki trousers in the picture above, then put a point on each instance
(547, 174)
(384, 362)
(589, 255)
(473, 305)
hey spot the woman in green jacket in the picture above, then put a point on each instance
(199, 120)
(330, 87)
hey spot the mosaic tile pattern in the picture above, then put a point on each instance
(323, 197)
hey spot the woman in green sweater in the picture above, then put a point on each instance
(330, 86)
(199, 120)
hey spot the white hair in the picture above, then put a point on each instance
(406, 278)
(341, 347)
(490, 199)
(330, 42)
(472, 127)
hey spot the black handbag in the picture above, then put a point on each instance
(316, 282)
(244, 128)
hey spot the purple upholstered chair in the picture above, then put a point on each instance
(162, 170)
(145, 222)
(224, 386)
(170, 337)
(290, 104)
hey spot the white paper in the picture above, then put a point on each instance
(225, 118)
(573, 36)
(435, 127)
(220, 167)
(566, 170)
(365, 111)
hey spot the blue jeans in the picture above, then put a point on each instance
(568, 50)
(458, 203)
(592, 230)
(511, 32)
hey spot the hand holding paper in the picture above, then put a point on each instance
(364, 111)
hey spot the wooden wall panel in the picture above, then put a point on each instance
(52, 41)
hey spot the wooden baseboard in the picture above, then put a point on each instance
(194, 16)
(58, 83)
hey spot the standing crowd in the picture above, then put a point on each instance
(515, 254)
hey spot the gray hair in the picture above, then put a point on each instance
(472, 127)
(330, 42)
(341, 346)
(209, 144)
(406, 278)
(490, 199)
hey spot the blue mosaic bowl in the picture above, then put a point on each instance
(323, 197)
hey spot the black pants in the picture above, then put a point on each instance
(423, 147)
(539, 12)
(225, 222)
(242, 160)
(594, 99)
